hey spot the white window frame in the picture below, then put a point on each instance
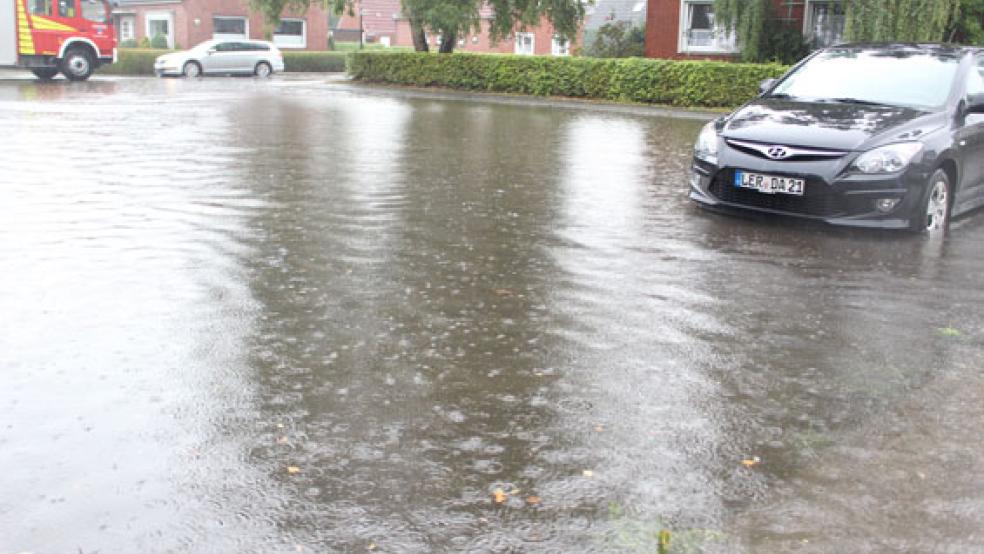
(722, 42)
(231, 36)
(522, 52)
(559, 47)
(808, 23)
(131, 25)
(160, 16)
(291, 42)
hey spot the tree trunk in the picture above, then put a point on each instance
(419, 38)
(447, 42)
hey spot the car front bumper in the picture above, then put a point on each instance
(831, 195)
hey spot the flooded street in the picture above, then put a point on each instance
(298, 316)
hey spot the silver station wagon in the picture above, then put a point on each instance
(237, 56)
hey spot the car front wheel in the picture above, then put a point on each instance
(263, 69)
(933, 215)
(191, 70)
(77, 64)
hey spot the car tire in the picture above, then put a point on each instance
(45, 73)
(932, 216)
(263, 69)
(191, 70)
(77, 64)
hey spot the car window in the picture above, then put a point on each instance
(66, 8)
(94, 11)
(975, 81)
(225, 47)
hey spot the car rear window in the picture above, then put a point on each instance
(913, 78)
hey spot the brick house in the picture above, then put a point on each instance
(382, 21)
(185, 23)
(686, 28)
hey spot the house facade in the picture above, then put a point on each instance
(383, 22)
(680, 29)
(185, 23)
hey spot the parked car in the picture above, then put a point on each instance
(887, 136)
(239, 56)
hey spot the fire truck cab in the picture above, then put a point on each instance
(72, 37)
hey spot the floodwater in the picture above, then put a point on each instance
(300, 316)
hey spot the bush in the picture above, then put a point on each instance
(144, 43)
(314, 61)
(704, 84)
(129, 43)
(133, 61)
(617, 40)
(159, 41)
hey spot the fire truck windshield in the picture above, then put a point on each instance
(96, 11)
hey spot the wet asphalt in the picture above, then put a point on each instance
(301, 315)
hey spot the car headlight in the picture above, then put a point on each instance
(706, 148)
(887, 159)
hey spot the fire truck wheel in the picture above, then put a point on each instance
(45, 73)
(191, 69)
(77, 64)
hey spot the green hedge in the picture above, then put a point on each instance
(140, 61)
(704, 84)
(319, 62)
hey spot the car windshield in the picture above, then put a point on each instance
(913, 78)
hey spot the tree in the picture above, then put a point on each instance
(618, 39)
(968, 25)
(900, 20)
(762, 34)
(451, 19)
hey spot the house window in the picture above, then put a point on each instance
(126, 28)
(524, 44)
(699, 33)
(291, 33)
(560, 46)
(160, 23)
(824, 25)
(225, 28)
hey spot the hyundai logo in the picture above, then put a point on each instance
(777, 152)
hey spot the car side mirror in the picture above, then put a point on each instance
(766, 85)
(975, 103)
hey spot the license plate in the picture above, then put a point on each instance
(769, 184)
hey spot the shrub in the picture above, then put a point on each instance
(129, 43)
(314, 61)
(705, 84)
(159, 41)
(133, 61)
(144, 43)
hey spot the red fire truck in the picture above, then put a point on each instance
(73, 37)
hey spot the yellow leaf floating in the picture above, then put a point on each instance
(533, 500)
(499, 496)
(754, 461)
(293, 469)
(587, 473)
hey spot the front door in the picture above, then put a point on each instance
(970, 141)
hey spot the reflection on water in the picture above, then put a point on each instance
(276, 316)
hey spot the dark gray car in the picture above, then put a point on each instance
(887, 136)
